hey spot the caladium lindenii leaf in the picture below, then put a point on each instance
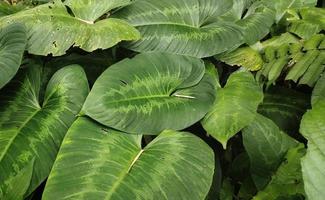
(32, 126)
(182, 27)
(234, 108)
(99, 163)
(199, 28)
(12, 46)
(53, 30)
(266, 146)
(150, 93)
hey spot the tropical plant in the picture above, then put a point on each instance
(168, 99)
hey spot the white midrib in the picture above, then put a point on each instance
(123, 174)
(17, 132)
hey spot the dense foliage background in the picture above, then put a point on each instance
(162, 99)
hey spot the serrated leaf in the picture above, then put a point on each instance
(266, 146)
(33, 126)
(52, 30)
(12, 46)
(235, 107)
(99, 163)
(150, 93)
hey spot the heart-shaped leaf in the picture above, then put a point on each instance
(53, 30)
(96, 163)
(32, 126)
(235, 107)
(150, 93)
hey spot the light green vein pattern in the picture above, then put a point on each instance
(150, 93)
(12, 46)
(187, 27)
(266, 146)
(52, 30)
(234, 108)
(96, 163)
(31, 131)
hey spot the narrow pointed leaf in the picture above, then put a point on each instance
(150, 93)
(32, 126)
(99, 163)
(235, 107)
(12, 46)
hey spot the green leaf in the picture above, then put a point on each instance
(257, 23)
(282, 6)
(91, 10)
(266, 146)
(52, 30)
(287, 180)
(319, 91)
(150, 93)
(99, 163)
(32, 126)
(313, 129)
(227, 190)
(7, 9)
(235, 107)
(20, 181)
(306, 22)
(182, 27)
(285, 107)
(12, 46)
(245, 57)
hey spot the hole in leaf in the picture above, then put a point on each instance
(69, 11)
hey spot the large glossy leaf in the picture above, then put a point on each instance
(313, 129)
(33, 126)
(12, 46)
(52, 30)
(235, 107)
(150, 93)
(266, 146)
(182, 27)
(96, 163)
(287, 180)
